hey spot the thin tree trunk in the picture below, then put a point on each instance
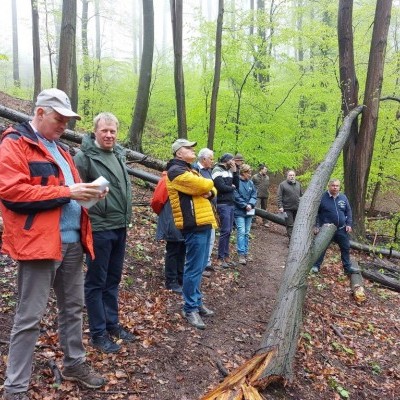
(17, 82)
(85, 56)
(36, 50)
(176, 18)
(217, 75)
(143, 93)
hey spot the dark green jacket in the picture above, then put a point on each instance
(115, 210)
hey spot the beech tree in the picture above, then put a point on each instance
(146, 65)
(37, 74)
(17, 82)
(67, 79)
(217, 75)
(359, 151)
(176, 19)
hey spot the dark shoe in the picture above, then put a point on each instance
(105, 344)
(121, 333)
(205, 312)
(230, 262)
(222, 263)
(84, 374)
(194, 319)
(174, 287)
(210, 268)
(206, 273)
(15, 396)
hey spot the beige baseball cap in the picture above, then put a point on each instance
(58, 101)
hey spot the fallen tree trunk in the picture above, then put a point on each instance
(382, 279)
(76, 137)
(374, 250)
(281, 336)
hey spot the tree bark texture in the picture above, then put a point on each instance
(67, 69)
(17, 82)
(146, 66)
(176, 19)
(359, 161)
(37, 74)
(217, 75)
(284, 326)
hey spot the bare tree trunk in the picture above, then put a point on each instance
(67, 71)
(17, 82)
(85, 56)
(98, 36)
(361, 157)
(217, 75)
(37, 74)
(176, 18)
(146, 65)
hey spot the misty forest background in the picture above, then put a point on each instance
(263, 77)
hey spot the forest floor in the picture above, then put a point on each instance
(346, 350)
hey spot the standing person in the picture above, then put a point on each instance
(245, 201)
(205, 161)
(100, 155)
(166, 230)
(46, 231)
(261, 181)
(335, 209)
(289, 193)
(239, 161)
(226, 180)
(190, 196)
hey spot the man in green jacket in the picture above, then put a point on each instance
(100, 155)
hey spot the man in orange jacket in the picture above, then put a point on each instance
(46, 231)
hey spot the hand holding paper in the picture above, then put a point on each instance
(93, 192)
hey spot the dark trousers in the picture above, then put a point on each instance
(341, 237)
(174, 262)
(291, 216)
(225, 214)
(102, 280)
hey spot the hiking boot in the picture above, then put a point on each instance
(194, 319)
(242, 260)
(206, 273)
(174, 287)
(205, 312)
(84, 374)
(15, 396)
(210, 268)
(222, 263)
(105, 344)
(121, 333)
(230, 262)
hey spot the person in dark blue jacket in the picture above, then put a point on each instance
(335, 209)
(245, 202)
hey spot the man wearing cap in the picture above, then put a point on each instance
(226, 180)
(46, 231)
(101, 155)
(190, 195)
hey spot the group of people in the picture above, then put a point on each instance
(47, 230)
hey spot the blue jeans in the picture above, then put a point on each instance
(197, 247)
(243, 225)
(102, 280)
(225, 213)
(340, 237)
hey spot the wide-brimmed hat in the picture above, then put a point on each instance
(58, 101)
(182, 143)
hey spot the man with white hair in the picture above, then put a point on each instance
(205, 161)
(47, 231)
